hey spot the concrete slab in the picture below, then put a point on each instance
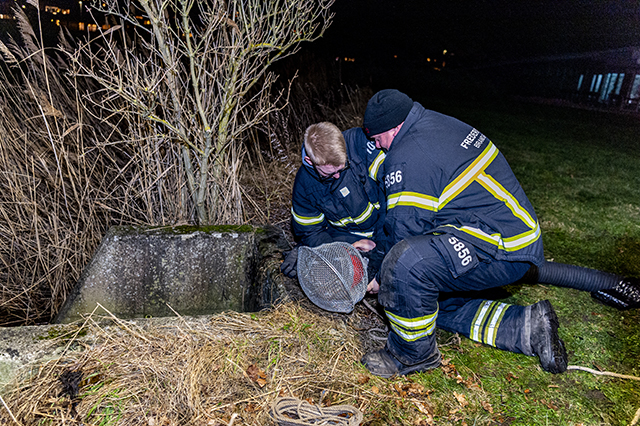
(139, 271)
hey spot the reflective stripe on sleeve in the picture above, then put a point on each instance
(363, 234)
(375, 166)
(303, 220)
(514, 243)
(358, 220)
(498, 191)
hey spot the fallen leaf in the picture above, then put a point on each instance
(527, 391)
(399, 390)
(461, 398)
(511, 376)
(449, 370)
(549, 405)
(363, 379)
(422, 408)
(470, 383)
(375, 390)
(257, 375)
(427, 421)
(414, 389)
(553, 386)
(487, 406)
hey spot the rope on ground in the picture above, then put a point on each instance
(289, 411)
(602, 373)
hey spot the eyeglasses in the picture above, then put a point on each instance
(324, 178)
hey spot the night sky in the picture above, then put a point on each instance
(477, 31)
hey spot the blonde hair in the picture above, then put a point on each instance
(325, 144)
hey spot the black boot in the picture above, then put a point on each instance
(625, 295)
(545, 340)
(382, 363)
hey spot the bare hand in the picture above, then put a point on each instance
(364, 245)
(373, 287)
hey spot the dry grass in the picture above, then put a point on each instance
(198, 372)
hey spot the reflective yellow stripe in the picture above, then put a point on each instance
(358, 220)
(485, 324)
(508, 244)
(498, 191)
(481, 313)
(363, 234)
(375, 166)
(492, 330)
(412, 336)
(411, 329)
(413, 199)
(302, 220)
(469, 175)
(428, 202)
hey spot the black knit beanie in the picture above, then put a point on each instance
(385, 110)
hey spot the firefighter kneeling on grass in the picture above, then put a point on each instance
(458, 220)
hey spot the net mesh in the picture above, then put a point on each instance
(333, 276)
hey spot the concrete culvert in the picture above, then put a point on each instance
(152, 272)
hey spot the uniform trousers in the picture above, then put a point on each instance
(419, 269)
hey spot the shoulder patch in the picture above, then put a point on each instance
(344, 191)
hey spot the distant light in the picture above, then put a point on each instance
(395, 56)
(444, 52)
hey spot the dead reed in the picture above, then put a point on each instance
(59, 187)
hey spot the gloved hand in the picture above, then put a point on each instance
(288, 266)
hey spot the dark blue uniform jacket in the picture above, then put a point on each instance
(442, 175)
(347, 209)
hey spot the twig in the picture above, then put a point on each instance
(372, 309)
(233, 417)
(634, 422)
(10, 413)
(602, 373)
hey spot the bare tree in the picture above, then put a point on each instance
(183, 81)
